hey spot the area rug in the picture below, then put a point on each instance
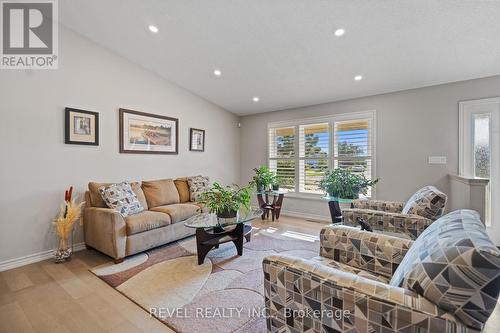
(224, 294)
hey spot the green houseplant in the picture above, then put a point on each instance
(345, 184)
(226, 201)
(264, 178)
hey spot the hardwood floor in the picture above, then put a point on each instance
(45, 297)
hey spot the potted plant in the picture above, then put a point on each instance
(343, 185)
(264, 178)
(276, 186)
(226, 201)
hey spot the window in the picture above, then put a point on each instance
(282, 155)
(314, 142)
(479, 157)
(301, 151)
(353, 147)
(481, 145)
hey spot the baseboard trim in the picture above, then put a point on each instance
(32, 258)
(306, 216)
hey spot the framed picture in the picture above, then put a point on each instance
(146, 133)
(81, 127)
(196, 139)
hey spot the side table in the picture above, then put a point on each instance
(273, 206)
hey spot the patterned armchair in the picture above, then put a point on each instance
(447, 280)
(409, 219)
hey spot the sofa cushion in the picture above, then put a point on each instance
(97, 201)
(121, 198)
(183, 189)
(160, 192)
(145, 221)
(428, 202)
(197, 185)
(178, 212)
(455, 265)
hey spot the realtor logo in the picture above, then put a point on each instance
(29, 34)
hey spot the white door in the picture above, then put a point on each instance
(480, 153)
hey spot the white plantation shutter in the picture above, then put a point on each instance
(282, 155)
(301, 151)
(354, 146)
(314, 143)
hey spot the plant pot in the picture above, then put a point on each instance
(227, 214)
(344, 203)
(276, 187)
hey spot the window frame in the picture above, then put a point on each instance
(370, 115)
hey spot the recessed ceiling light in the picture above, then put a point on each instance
(153, 29)
(217, 72)
(256, 99)
(339, 32)
(358, 78)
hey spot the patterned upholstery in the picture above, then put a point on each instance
(121, 198)
(409, 226)
(347, 268)
(455, 265)
(428, 202)
(340, 292)
(372, 252)
(197, 185)
(307, 296)
(409, 220)
(381, 205)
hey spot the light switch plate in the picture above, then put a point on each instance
(437, 159)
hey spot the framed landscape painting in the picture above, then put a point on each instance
(146, 133)
(81, 127)
(196, 139)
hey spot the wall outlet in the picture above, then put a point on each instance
(437, 159)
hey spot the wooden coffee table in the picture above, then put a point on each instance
(212, 231)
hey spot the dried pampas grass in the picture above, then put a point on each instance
(69, 213)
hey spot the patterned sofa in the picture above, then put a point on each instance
(409, 220)
(447, 280)
(165, 204)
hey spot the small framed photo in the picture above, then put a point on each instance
(146, 133)
(196, 139)
(81, 127)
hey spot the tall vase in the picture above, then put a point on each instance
(64, 250)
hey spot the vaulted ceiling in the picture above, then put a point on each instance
(286, 52)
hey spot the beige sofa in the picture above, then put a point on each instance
(166, 205)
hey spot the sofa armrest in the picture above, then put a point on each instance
(370, 251)
(105, 230)
(381, 205)
(409, 225)
(327, 298)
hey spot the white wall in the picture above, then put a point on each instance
(36, 166)
(411, 125)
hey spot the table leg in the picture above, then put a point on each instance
(238, 242)
(202, 249)
(278, 205)
(335, 212)
(262, 205)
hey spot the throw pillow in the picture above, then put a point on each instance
(455, 265)
(121, 198)
(197, 185)
(428, 202)
(183, 189)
